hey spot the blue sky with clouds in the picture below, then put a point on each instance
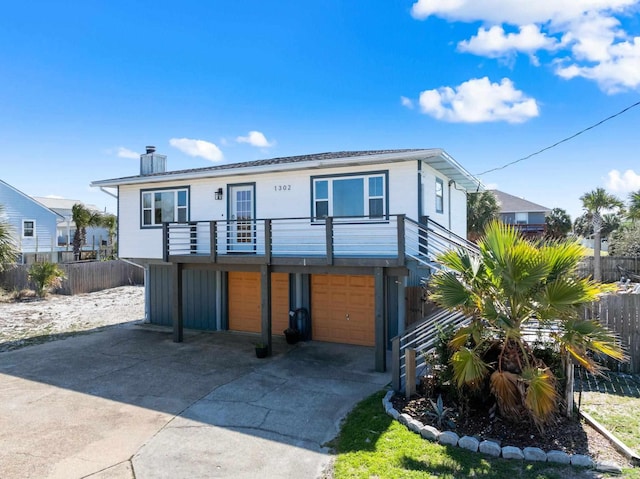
(84, 86)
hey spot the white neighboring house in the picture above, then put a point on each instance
(66, 228)
(327, 241)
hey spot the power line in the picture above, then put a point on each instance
(561, 141)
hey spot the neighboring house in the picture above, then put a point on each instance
(525, 215)
(66, 228)
(33, 224)
(340, 236)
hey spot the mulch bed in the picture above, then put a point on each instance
(570, 435)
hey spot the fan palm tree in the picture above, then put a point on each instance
(596, 202)
(83, 218)
(8, 248)
(558, 224)
(482, 208)
(634, 206)
(512, 281)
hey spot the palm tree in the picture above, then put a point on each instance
(512, 281)
(596, 202)
(82, 217)
(8, 248)
(634, 206)
(558, 224)
(482, 208)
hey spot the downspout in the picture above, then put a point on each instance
(104, 190)
(449, 206)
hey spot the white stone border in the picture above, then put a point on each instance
(493, 449)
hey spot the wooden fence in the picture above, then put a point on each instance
(81, 277)
(608, 264)
(621, 314)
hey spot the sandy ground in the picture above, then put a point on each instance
(39, 320)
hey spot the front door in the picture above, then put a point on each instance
(241, 236)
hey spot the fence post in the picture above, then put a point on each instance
(410, 372)
(395, 363)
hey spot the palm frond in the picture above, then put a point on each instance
(541, 397)
(504, 386)
(468, 368)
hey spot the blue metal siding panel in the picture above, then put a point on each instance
(19, 207)
(536, 218)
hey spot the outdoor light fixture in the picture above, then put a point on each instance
(219, 194)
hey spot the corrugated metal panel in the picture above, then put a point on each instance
(199, 301)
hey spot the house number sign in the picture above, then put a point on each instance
(282, 188)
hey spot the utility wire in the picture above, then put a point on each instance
(561, 141)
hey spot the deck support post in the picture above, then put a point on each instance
(265, 305)
(379, 322)
(178, 330)
(401, 239)
(395, 364)
(329, 238)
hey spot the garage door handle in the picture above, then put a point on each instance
(347, 316)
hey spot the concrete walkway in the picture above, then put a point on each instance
(128, 402)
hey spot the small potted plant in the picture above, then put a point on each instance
(262, 350)
(292, 335)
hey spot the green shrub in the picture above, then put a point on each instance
(45, 276)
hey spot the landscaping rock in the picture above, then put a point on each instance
(512, 452)
(393, 413)
(581, 460)
(469, 443)
(449, 438)
(609, 466)
(430, 432)
(558, 457)
(387, 397)
(490, 448)
(404, 419)
(415, 426)
(534, 454)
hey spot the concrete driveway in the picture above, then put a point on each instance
(128, 402)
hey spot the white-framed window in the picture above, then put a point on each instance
(439, 195)
(522, 218)
(28, 228)
(350, 195)
(164, 205)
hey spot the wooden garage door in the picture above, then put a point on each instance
(343, 309)
(244, 301)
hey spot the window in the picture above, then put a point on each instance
(165, 206)
(439, 196)
(356, 195)
(28, 229)
(522, 218)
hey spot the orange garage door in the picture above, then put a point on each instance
(244, 301)
(343, 309)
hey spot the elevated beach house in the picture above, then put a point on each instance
(331, 240)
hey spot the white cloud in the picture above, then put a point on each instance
(198, 148)
(514, 12)
(255, 138)
(585, 34)
(623, 182)
(478, 100)
(406, 102)
(127, 153)
(495, 43)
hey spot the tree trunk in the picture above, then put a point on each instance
(569, 386)
(597, 243)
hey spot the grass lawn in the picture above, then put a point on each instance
(371, 445)
(614, 401)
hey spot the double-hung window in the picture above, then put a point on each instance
(350, 196)
(439, 196)
(165, 205)
(28, 228)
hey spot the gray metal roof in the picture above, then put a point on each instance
(436, 158)
(513, 204)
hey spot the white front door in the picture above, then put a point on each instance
(242, 215)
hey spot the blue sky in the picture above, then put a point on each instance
(84, 86)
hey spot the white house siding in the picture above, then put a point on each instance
(454, 214)
(288, 195)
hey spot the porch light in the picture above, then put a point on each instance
(218, 194)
